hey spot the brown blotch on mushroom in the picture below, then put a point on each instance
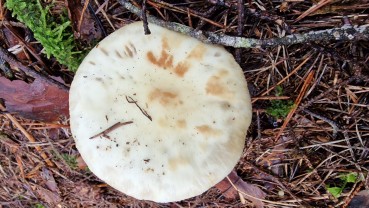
(176, 162)
(164, 97)
(182, 123)
(148, 170)
(105, 52)
(208, 131)
(133, 47)
(181, 68)
(99, 79)
(164, 43)
(165, 60)
(164, 123)
(215, 86)
(129, 52)
(118, 54)
(198, 52)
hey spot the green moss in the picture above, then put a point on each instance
(279, 108)
(70, 160)
(56, 37)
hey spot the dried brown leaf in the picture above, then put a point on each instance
(86, 192)
(81, 163)
(361, 200)
(49, 180)
(49, 197)
(275, 156)
(38, 100)
(244, 188)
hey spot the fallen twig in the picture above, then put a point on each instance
(85, 5)
(131, 100)
(28, 136)
(258, 124)
(110, 129)
(184, 11)
(144, 18)
(296, 104)
(284, 79)
(261, 15)
(8, 57)
(329, 121)
(97, 20)
(276, 180)
(270, 98)
(262, 200)
(346, 32)
(329, 90)
(26, 45)
(313, 9)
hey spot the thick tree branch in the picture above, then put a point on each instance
(346, 32)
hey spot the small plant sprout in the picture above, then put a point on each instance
(160, 117)
(337, 190)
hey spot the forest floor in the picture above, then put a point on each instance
(308, 143)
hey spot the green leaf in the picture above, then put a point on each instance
(39, 206)
(335, 191)
(350, 177)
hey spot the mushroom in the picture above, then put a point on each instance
(160, 117)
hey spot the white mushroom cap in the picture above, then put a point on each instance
(186, 103)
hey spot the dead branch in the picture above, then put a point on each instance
(311, 101)
(334, 124)
(144, 18)
(9, 58)
(346, 32)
